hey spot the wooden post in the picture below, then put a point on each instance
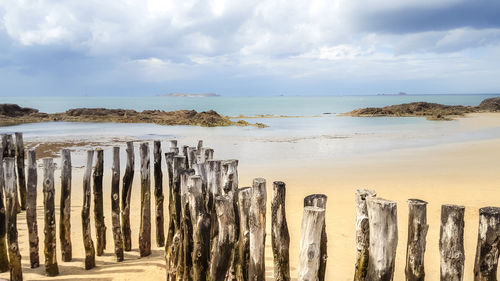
(244, 199)
(279, 233)
(145, 231)
(451, 243)
(10, 151)
(169, 160)
(185, 154)
(31, 217)
(4, 258)
(128, 178)
(319, 200)
(310, 243)
(186, 262)
(158, 177)
(362, 233)
(191, 155)
(230, 189)
(174, 243)
(51, 268)
(214, 178)
(115, 204)
(487, 251)
(4, 147)
(87, 237)
(177, 165)
(173, 147)
(209, 154)
(382, 218)
(417, 232)
(65, 206)
(20, 169)
(201, 228)
(100, 227)
(257, 222)
(9, 147)
(11, 207)
(225, 240)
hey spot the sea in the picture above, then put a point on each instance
(301, 127)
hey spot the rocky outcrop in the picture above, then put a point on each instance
(14, 114)
(14, 110)
(491, 104)
(432, 111)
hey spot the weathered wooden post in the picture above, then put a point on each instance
(115, 204)
(417, 233)
(169, 160)
(4, 258)
(451, 243)
(176, 162)
(20, 169)
(128, 178)
(65, 206)
(158, 178)
(87, 237)
(214, 178)
(279, 233)
(486, 262)
(173, 147)
(9, 147)
(257, 222)
(145, 231)
(185, 154)
(362, 233)
(51, 268)
(382, 217)
(244, 199)
(223, 248)
(319, 200)
(201, 229)
(10, 151)
(310, 243)
(191, 155)
(230, 189)
(186, 262)
(16, 273)
(31, 217)
(209, 154)
(174, 244)
(100, 227)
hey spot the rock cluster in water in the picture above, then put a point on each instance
(432, 111)
(11, 114)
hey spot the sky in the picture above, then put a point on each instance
(266, 47)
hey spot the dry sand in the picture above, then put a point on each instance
(463, 173)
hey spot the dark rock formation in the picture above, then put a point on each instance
(491, 104)
(11, 114)
(432, 111)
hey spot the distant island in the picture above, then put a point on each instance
(398, 94)
(203, 95)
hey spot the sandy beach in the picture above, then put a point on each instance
(464, 173)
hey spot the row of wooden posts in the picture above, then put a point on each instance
(216, 230)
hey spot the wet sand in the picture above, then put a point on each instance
(464, 173)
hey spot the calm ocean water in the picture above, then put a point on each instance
(286, 139)
(234, 106)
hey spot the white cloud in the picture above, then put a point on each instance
(165, 40)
